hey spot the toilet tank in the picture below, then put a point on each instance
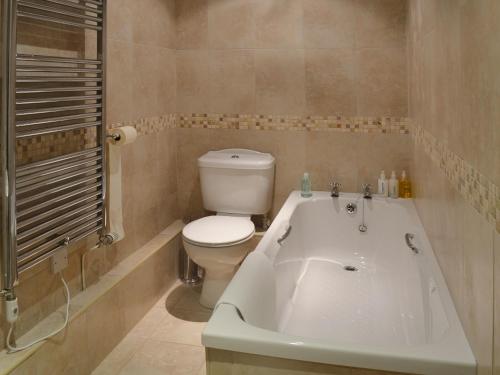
(237, 181)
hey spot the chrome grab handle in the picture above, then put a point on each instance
(409, 237)
(285, 235)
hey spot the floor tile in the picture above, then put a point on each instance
(167, 340)
(158, 357)
(179, 331)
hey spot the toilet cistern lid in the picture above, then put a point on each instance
(236, 158)
(218, 230)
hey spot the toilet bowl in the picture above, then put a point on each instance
(218, 244)
(236, 184)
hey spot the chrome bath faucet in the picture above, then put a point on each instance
(335, 189)
(366, 191)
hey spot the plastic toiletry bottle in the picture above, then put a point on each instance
(404, 186)
(393, 186)
(306, 186)
(382, 185)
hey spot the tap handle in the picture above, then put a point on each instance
(335, 184)
(366, 187)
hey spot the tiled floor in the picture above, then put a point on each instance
(166, 341)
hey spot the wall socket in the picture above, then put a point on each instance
(59, 260)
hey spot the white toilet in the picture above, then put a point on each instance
(236, 184)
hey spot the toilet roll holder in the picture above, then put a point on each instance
(115, 137)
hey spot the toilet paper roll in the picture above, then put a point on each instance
(126, 134)
(123, 135)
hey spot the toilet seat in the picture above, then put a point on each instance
(219, 231)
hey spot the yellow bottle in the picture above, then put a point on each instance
(404, 186)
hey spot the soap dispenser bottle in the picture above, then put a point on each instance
(306, 186)
(382, 185)
(393, 186)
(404, 186)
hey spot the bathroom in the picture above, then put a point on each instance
(338, 89)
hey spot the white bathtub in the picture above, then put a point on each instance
(297, 301)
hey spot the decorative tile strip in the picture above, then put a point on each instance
(52, 145)
(398, 125)
(149, 125)
(474, 187)
(42, 147)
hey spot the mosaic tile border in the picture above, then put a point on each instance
(474, 187)
(354, 124)
(43, 147)
(149, 125)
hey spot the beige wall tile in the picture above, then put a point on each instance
(119, 25)
(145, 60)
(232, 81)
(323, 150)
(378, 152)
(478, 288)
(296, 152)
(453, 49)
(496, 352)
(159, 30)
(380, 23)
(333, 89)
(382, 83)
(102, 335)
(120, 88)
(231, 24)
(192, 81)
(166, 82)
(191, 23)
(59, 355)
(329, 23)
(279, 81)
(278, 24)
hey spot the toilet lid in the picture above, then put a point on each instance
(218, 230)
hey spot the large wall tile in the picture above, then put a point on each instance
(102, 335)
(496, 329)
(120, 26)
(145, 64)
(454, 94)
(378, 152)
(333, 89)
(325, 155)
(231, 23)
(232, 81)
(381, 82)
(166, 99)
(478, 288)
(159, 30)
(280, 81)
(278, 24)
(191, 23)
(120, 87)
(193, 82)
(381, 23)
(324, 151)
(329, 23)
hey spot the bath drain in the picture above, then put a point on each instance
(350, 268)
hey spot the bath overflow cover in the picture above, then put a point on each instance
(350, 268)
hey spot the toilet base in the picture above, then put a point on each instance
(214, 285)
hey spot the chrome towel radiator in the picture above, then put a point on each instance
(51, 203)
